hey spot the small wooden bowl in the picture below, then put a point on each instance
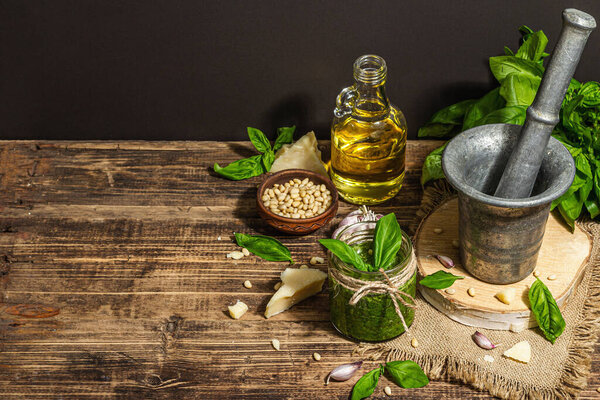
(296, 226)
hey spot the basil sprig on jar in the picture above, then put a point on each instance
(383, 252)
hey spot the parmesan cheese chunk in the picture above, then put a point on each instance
(519, 352)
(298, 284)
(507, 295)
(238, 309)
(303, 154)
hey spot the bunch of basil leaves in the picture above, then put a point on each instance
(259, 164)
(519, 75)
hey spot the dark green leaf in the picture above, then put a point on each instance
(267, 160)
(366, 385)
(285, 135)
(533, 46)
(546, 311)
(488, 103)
(387, 240)
(452, 114)
(432, 167)
(519, 89)
(591, 93)
(440, 280)
(593, 208)
(507, 115)
(508, 51)
(265, 247)
(406, 374)
(259, 140)
(241, 169)
(345, 253)
(501, 66)
(438, 130)
(582, 164)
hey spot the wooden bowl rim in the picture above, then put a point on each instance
(296, 173)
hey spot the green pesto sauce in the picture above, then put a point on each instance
(374, 317)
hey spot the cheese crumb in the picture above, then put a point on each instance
(237, 310)
(438, 230)
(488, 358)
(236, 255)
(507, 295)
(519, 352)
(276, 345)
(317, 260)
(245, 251)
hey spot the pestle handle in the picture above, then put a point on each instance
(524, 163)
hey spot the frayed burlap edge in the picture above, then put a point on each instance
(576, 368)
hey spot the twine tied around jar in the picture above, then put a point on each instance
(363, 288)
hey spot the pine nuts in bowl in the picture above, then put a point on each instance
(297, 201)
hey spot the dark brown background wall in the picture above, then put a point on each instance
(197, 70)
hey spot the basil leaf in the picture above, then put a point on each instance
(593, 207)
(440, 280)
(432, 167)
(285, 135)
(533, 47)
(265, 247)
(519, 89)
(386, 241)
(546, 311)
(345, 253)
(488, 103)
(406, 374)
(267, 160)
(259, 140)
(366, 385)
(241, 169)
(507, 115)
(501, 66)
(446, 120)
(438, 130)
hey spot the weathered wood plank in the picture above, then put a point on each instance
(122, 237)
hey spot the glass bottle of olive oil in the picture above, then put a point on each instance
(368, 137)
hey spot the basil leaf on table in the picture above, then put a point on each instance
(406, 374)
(387, 240)
(241, 169)
(366, 385)
(546, 311)
(440, 280)
(259, 140)
(265, 247)
(345, 253)
(285, 135)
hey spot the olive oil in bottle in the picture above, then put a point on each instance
(368, 137)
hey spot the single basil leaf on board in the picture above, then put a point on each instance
(439, 280)
(285, 135)
(387, 240)
(345, 253)
(407, 374)
(267, 160)
(546, 311)
(519, 89)
(265, 247)
(490, 102)
(366, 385)
(259, 140)
(241, 169)
(501, 66)
(432, 166)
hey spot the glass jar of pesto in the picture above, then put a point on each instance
(374, 316)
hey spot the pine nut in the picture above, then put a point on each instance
(316, 356)
(247, 284)
(471, 292)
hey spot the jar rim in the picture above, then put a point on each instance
(403, 264)
(370, 68)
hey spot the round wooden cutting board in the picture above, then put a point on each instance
(563, 254)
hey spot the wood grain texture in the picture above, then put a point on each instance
(563, 254)
(122, 238)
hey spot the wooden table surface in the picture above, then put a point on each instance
(115, 248)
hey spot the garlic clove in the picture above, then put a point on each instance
(482, 341)
(445, 261)
(344, 372)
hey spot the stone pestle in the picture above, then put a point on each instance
(522, 168)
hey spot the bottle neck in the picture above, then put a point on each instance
(370, 72)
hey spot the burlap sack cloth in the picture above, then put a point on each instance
(445, 348)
